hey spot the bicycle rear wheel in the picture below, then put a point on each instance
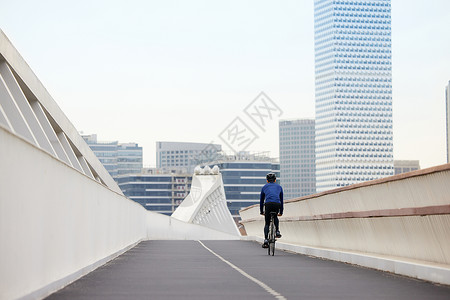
(271, 249)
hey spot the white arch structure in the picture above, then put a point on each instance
(206, 203)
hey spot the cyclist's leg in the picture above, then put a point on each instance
(277, 210)
(267, 220)
(270, 207)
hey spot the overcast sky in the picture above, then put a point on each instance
(147, 71)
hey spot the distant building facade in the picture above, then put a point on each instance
(405, 166)
(117, 158)
(181, 155)
(156, 190)
(244, 174)
(353, 71)
(447, 102)
(297, 157)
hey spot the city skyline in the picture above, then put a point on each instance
(120, 79)
(58, 197)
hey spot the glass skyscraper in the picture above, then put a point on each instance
(353, 69)
(157, 192)
(117, 158)
(297, 157)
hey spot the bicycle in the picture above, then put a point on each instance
(272, 234)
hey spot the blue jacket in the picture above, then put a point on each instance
(271, 192)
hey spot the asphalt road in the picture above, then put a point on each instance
(237, 270)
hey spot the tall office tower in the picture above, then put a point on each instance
(243, 175)
(297, 157)
(184, 156)
(129, 158)
(157, 190)
(353, 92)
(447, 102)
(117, 158)
(405, 166)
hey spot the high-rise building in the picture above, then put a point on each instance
(183, 155)
(244, 174)
(129, 158)
(297, 157)
(353, 69)
(405, 166)
(155, 189)
(117, 158)
(447, 105)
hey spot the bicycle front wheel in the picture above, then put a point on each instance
(271, 249)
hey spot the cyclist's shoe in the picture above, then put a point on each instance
(266, 244)
(278, 234)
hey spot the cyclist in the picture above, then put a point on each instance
(272, 193)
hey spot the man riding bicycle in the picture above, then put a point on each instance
(272, 193)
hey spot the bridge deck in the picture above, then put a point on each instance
(188, 270)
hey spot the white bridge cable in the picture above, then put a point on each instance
(245, 274)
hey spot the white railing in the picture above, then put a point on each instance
(397, 219)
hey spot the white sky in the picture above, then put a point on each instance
(147, 71)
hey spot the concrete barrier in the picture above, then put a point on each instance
(403, 219)
(56, 222)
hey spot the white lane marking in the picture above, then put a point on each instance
(258, 282)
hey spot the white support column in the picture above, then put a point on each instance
(3, 119)
(69, 151)
(49, 132)
(15, 117)
(25, 107)
(85, 166)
